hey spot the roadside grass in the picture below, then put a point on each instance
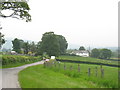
(40, 77)
(110, 78)
(56, 77)
(88, 59)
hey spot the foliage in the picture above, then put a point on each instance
(101, 53)
(81, 48)
(14, 59)
(105, 54)
(26, 47)
(33, 47)
(17, 45)
(95, 53)
(63, 44)
(52, 44)
(2, 40)
(23, 47)
(19, 9)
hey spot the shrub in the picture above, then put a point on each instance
(12, 59)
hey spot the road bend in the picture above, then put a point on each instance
(10, 75)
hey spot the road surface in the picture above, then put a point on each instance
(10, 75)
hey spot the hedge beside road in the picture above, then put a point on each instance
(13, 59)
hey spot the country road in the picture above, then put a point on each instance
(9, 76)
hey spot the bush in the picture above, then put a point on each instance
(12, 59)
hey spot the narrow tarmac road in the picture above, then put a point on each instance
(10, 75)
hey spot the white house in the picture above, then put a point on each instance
(82, 53)
(13, 52)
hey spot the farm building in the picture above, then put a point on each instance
(82, 53)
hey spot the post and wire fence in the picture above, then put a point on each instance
(96, 71)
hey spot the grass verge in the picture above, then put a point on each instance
(56, 77)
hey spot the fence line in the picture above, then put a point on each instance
(71, 68)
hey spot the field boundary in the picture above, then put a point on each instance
(87, 62)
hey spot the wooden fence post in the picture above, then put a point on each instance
(71, 67)
(101, 66)
(89, 71)
(64, 66)
(96, 71)
(59, 65)
(50, 64)
(119, 75)
(55, 65)
(44, 64)
(78, 67)
(102, 73)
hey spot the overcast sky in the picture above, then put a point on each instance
(83, 22)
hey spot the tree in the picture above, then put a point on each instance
(33, 47)
(19, 9)
(81, 48)
(26, 47)
(63, 44)
(38, 48)
(2, 40)
(95, 53)
(16, 45)
(50, 44)
(105, 54)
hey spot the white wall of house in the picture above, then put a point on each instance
(83, 54)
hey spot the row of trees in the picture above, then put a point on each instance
(23, 47)
(51, 44)
(101, 53)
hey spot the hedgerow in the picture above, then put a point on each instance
(13, 59)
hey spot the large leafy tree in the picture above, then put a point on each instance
(95, 53)
(33, 47)
(17, 45)
(63, 44)
(81, 48)
(18, 9)
(105, 53)
(26, 47)
(38, 48)
(50, 44)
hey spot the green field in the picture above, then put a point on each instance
(56, 77)
(88, 59)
